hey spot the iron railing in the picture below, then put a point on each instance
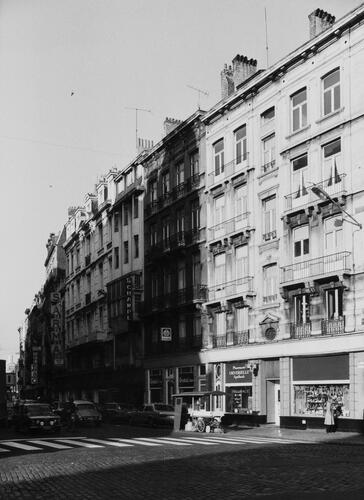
(333, 326)
(230, 226)
(325, 265)
(238, 286)
(233, 167)
(300, 330)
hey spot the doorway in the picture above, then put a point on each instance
(273, 402)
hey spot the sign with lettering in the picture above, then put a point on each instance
(186, 378)
(129, 299)
(166, 334)
(238, 372)
(56, 329)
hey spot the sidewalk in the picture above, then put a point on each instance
(309, 435)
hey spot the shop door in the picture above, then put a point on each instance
(277, 401)
(273, 402)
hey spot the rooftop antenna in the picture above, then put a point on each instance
(266, 36)
(199, 93)
(136, 122)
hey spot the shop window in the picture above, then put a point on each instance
(239, 399)
(310, 399)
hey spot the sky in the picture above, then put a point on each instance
(68, 71)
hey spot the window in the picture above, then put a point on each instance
(240, 144)
(267, 115)
(88, 245)
(153, 235)
(270, 282)
(242, 319)
(101, 275)
(219, 210)
(331, 92)
(269, 218)
(219, 269)
(181, 271)
(220, 323)
(333, 236)
(301, 307)
(78, 290)
(299, 172)
(77, 257)
(153, 191)
(129, 178)
(241, 261)
(126, 252)
(101, 236)
(196, 269)
(202, 369)
(219, 156)
(116, 222)
(299, 109)
(182, 328)
(136, 206)
(334, 303)
(194, 164)
(180, 223)
(101, 317)
(332, 163)
(180, 174)
(196, 326)
(195, 215)
(154, 282)
(136, 246)
(269, 151)
(167, 281)
(241, 201)
(301, 242)
(126, 215)
(165, 230)
(165, 183)
(116, 258)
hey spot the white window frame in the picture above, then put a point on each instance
(219, 269)
(241, 148)
(337, 236)
(270, 281)
(218, 157)
(331, 165)
(241, 262)
(301, 175)
(300, 108)
(331, 91)
(269, 149)
(304, 230)
(269, 218)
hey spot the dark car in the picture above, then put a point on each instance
(86, 413)
(35, 416)
(117, 412)
(154, 414)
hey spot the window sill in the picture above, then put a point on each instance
(330, 115)
(296, 132)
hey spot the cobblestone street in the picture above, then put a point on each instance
(140, 463)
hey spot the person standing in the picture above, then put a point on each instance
(329, 416)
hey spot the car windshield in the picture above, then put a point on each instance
(37, 410)
(85, 406)
(161, 407)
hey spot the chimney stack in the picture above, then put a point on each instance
(319, 21)
(232, 76)
(170, 124)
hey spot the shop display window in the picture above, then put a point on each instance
(310, 399)
(239, 399)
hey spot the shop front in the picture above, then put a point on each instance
(238, 387)
(316, 379)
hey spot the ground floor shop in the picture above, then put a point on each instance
(290, 391)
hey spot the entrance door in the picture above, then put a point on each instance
(273, 402)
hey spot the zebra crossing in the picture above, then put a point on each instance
(67, 443)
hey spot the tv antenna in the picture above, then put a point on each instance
(266, 36)
(199, 91)
(136, 122)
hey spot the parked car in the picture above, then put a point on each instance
(87, 413)
(35, 416)
(154, 414)
(117, 412)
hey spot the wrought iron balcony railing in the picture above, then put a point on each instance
(300, 330)
(333, 326)
(229, 339)
(194, 293)
(239, 286)
(233, 167)
(320, 266)
(237, 223)
(267, 167)
(334, 186)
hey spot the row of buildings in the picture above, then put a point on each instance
(226, 257)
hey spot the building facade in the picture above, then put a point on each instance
(175, 271)
(285, 282)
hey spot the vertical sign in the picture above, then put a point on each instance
(56, 335)
(129, 299)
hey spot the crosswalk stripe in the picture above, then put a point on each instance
(264, 439)
(49, 444)
(78, 443)
(21, 446)
(176, 442)
(109, 443)
(135, 441)
(219, 440)
(203, 441)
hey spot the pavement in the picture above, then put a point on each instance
(145, 463)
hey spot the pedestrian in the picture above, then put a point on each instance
(71, 414)
(329, 416)
(337, 413)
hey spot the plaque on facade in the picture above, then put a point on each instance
(166, 334)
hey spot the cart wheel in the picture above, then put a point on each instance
(201, 425)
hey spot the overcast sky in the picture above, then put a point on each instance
(111, 54)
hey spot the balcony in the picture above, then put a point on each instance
(236, 166)
(191, 294)
(232, 338)
(135, 188)
(230, 226)
(333, 326)
(322, 267)
(268, 167)
(298, 200)
(240, 286)
(300, 330)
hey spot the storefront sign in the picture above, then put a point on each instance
(238, 372)
(186, 379)
(321, 368)
(129, 299)
(166, 334)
